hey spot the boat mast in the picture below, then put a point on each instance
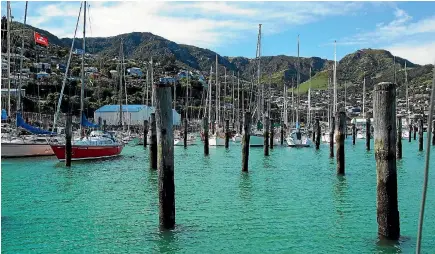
(335, 78)
(217, 94)
(66, 70)
(297, 84)
(232, 91)
(21, 60)
(238, 100)
(285, 104)
(407, 98)
(260, 109)
(125, 85)
(152, 84)
(209, 94)
(225, 94)
(121, 122)
(82, 89)
(309, 102)
(8, 27)
(293, 101)
(364, 97)
(187, 95)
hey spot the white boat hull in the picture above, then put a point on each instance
(216, 141)
(10, 150)
(293, 141)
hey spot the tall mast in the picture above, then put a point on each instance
(293, 102)
(329, 99)
(260, 90)
(217, 92)
(152, 84)
(238, 100)
(125, 85)
(225, 93)
(209, 93)
(21, 60)
(335, 77)
(364, 97)
(407, 98)
(121, 122)
(8, 25)
(232, 91)
(309, 101)
(82, 89)
(394, 65)
(147, 87)
(297, 84)
(175, 94)
(285, 104)
(66, 70)
(187, 94)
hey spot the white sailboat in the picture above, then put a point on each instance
(13, 144)
(298, 137)
(217, 139)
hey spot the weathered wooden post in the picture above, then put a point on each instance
(384, 112)
(266, 136)
(368, 134)
(415, 132)
(282, 133)
(99, 122)
(331, 138)
(153, 143)
(185, 133)
(399, 138)
(317, 133)
(410, 133)
(313, 138)
(420, 135)
(227, 133)
(165, 155)
(68, 134)
(104, 125)
(433, 133)
(271, 134)
(245, 141)
(353, 134)
(205, 126)
(339, 140)
(145, 133)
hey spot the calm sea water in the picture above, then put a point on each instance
(289, 202)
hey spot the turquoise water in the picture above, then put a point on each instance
(289, 202)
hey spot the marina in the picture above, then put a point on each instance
(138, 144)
(284, 203)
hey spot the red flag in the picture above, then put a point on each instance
(39, 39)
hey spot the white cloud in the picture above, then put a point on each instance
(415, 52)
(398, 28)
(204, 24)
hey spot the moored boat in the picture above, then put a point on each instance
(98, 145)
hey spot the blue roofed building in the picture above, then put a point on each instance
(131, 114)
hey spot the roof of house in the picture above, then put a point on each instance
(125, 108)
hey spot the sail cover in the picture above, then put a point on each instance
(21, 123)
(4, 115)
(86, 123)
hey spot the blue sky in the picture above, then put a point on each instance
(407, 29)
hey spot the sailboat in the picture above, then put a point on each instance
(298, 137)
(13, 144)
(326, 138)
(217, 138)
(98, 144)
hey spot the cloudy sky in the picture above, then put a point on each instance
(407, 29)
